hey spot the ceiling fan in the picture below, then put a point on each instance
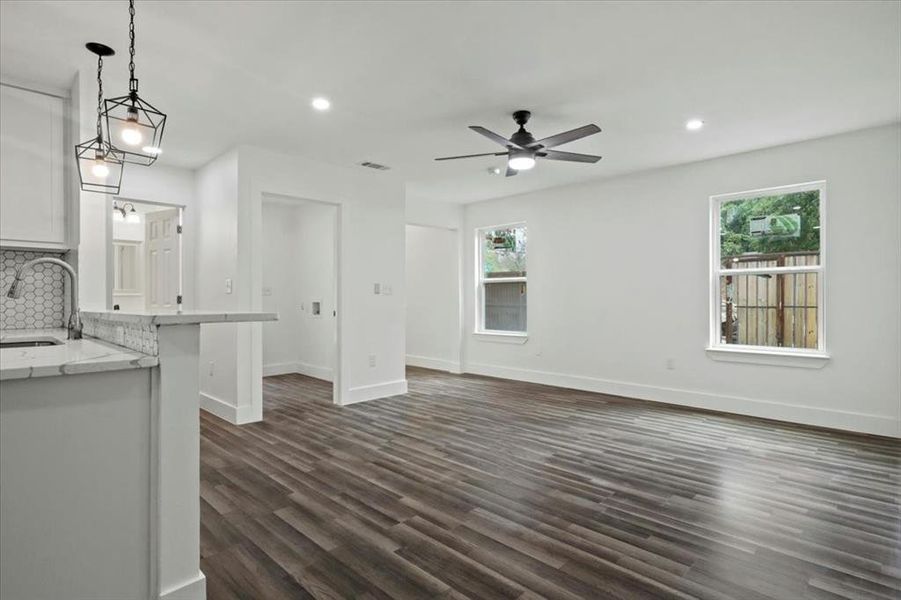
(523, 148)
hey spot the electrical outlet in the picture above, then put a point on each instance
(376, 288)
(228, 285)
(372, 360)
(670, 364)
(267, 291)
(212, 367)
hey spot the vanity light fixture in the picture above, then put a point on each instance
(131, 122)
(100, 164)
(124, 213)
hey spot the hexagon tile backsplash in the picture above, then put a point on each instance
(43, 301)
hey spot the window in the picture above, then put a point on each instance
(767, 279)
(502, 279)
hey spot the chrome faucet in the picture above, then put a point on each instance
(15, 290)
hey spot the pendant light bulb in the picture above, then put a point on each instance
(132, 136)
(99, 169)
(131, 133)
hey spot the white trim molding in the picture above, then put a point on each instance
(766, 409)
(302, 368)
(439, 364)
(236, 415)
(745, 354)
(501, 337)
(195, 589)
(375, 391)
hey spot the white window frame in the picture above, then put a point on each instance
(480, 329)
(805, 357)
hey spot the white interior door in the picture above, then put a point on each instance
(163, 260)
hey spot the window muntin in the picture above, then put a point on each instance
(767, 269)
(502, 284)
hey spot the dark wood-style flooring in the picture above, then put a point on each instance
(471, 487)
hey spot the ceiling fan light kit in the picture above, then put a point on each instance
(523, 149)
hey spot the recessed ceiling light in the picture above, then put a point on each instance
(694, 124)
(321, 103)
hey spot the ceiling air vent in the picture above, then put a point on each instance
(375, 166)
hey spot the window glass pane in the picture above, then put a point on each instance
(770, 231)
(504, 252)
(777, 310)
(505, 306)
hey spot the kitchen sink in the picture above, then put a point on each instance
(30, 343)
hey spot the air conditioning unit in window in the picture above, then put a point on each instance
(776, 225)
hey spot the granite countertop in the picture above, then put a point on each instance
(72, 357)
(186, 317)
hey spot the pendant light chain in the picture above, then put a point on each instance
(132, 82)
(99, 97)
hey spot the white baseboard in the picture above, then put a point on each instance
(279, 369)
(793, 413)
(236, 415)
(315, 371)
(194, 589)
(375, 391)
(438, 364)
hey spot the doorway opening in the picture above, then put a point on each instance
(146, 250)
(434, 301)
(299, 282)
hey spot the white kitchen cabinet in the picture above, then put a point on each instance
(33, 207)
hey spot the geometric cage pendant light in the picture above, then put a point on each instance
(100, 164)
(132, 123)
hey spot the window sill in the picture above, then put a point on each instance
(501, 337)
(779, 358)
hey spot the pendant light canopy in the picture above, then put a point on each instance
(133, 124)
(100, 165)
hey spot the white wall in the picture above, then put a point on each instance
(299, 268)
(371, 249)
(618, 285)
(433, 298)
(216, 190)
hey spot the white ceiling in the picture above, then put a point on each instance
(405, 79)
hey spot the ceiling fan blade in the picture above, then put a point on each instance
(568, 156)
(567, 136)
(493, 136)
(472, 155)
(511, 172)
